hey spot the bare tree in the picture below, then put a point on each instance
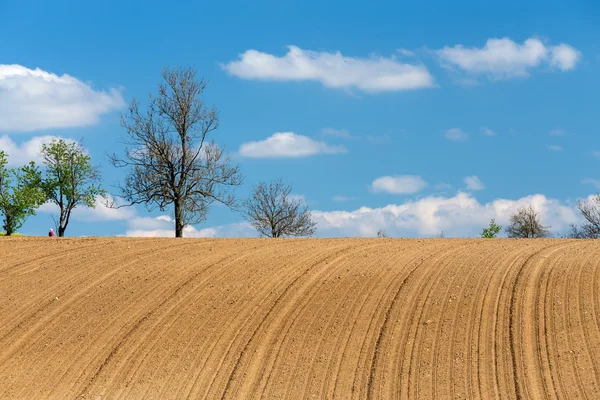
(590, 209)
(382, 234)
(170, 160)
(526, 224)
(274, 213)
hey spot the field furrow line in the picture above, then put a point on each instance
(243, 354)
(290, 380)
(136, 326)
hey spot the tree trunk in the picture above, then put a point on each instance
(61, 231)
(178, 219)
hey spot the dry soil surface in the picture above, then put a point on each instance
(108, 318)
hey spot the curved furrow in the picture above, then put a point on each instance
(267, 293)
(397, 311)
(90, 331)
(435, 300)
(525, 371)
(49, 308)
(140, 321)
(409, 317)
(39, 296)
(229, 350)
(541, 317)
(296, 308)
(137, 321)
(462, 338)
(231, 305)
(308, 371)
(576, 341)
(364, 293)
(587, 320)
(42, 327)
(490, 264)
(370, 349)
(218, 312)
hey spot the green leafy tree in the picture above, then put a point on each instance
(21, 193)
(70, 179)
(491, 231)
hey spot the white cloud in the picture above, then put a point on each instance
(555, 148)
(461, 215)
(188, 232)
(164, 226)
(505, 59)
(334, 70)
(487, 132)
(456, 134)
(340, 133)
(35, 99)
(474, 183)
(399, 184)
(23, 153)
(558, 132)
(287, 144)
(595, 182)
(564, 57)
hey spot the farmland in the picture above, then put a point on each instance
(299, 318)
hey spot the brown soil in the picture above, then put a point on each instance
(302, 319)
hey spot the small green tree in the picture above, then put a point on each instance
(21, 193)
(491, 231)
(70, 179)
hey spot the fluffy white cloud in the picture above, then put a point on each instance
(334, 70)
(456, 135)
(488, 132)
(20, 154)
(504, 59)
(474, 183)
(564, 57)
(399, 184)
(33, 99)
(287, 144)
(164, 226)
(461, 215)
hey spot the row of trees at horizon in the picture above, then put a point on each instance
(171, 162)
(526, 223)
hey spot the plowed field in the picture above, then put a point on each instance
(301, 319)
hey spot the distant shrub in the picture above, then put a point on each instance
(491, 231)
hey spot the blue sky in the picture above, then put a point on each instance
(414, 118)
